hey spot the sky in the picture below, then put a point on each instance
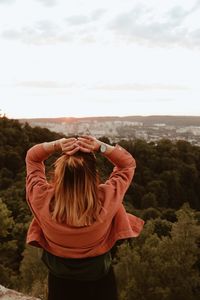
(64, 58)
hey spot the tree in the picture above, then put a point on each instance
(158, 267)
(135, 193)
(6, 221)
(149, 200)
(159, 189)
(169, 214)
(150, 213)
(174, 188)
(7, 246)
(33, 273)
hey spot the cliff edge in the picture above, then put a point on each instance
(7, 294)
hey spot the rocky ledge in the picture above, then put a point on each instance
(7, 294)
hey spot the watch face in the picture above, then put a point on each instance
(103, 148)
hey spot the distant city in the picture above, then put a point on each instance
(149, 128)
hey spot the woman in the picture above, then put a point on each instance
(77, 220)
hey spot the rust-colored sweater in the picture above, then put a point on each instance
(79, 242)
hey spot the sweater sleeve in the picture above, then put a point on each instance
(35, 168)
(123, 171)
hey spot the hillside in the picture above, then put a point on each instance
(7, 294)
(150, 128)
(146, 120)
(167, 179)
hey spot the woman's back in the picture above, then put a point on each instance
(77, 221)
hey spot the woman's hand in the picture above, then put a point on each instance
(84, 143)
(69, 145)
(88, 143)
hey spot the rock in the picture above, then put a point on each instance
(7, 294)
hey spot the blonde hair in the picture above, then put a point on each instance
(76, 179)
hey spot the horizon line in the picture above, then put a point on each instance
(106, 116)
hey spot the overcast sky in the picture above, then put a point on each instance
(99, 57)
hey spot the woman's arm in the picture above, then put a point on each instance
(36, 155)
(67, 145)
(91, 144)
(122, 160)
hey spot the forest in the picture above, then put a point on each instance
(162, 263)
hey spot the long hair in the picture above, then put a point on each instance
(75, 201)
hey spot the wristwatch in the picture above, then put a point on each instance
(102, 148)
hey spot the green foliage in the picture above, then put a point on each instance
(33, 273)
(8, 246)
(162, 227)
(150, 213)
(159, 265)
(148, 200)
(6, 221)
(169, 170)
(169, 214)
(163, 263)
(15, 140)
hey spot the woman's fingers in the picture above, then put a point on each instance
(87, 137)
(88, 142)
(65, 142)
(69, 145)
(73, 151)
(85, 143)
(85, 150)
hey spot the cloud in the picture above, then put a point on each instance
(52, 84)
(48, 2)
(78, 20)
(140, 87)
(43, 32)
(49, 32)
(85, 19)
(47, 36)
(6, 1)
(97, 14)
(45, 84)
(142, 25)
